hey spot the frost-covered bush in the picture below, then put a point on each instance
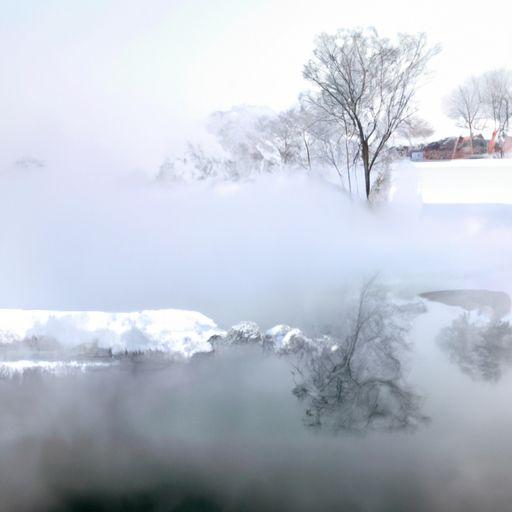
(242, 149)
(252, 140)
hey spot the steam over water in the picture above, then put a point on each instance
(227, 431)
(200, 311)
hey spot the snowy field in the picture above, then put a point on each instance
(458, 182)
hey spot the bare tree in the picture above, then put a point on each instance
(497, 97)
(369, 82)
(464, 105)
(305, 121)
(338, 148)
(280, 135)
(291, 136)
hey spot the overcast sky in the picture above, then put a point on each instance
(128, 81)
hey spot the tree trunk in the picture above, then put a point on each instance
(306, 145)
(348, 167)
(471, 139)
(366, 164)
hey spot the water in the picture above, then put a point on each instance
(226, 433)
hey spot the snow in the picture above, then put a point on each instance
(479, 181)
(172, 330)
(282, 335)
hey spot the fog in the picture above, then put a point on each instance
(226, 432)
(358, 411)
(277, 249)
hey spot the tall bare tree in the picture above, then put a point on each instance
(370, 82)
(496, 91)
(305, 121)
(280, 135)
(464, 105)
(336, 147)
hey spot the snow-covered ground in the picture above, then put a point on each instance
(479, 181)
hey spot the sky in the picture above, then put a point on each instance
(125, 83)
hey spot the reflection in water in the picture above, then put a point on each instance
(481, 348)
(478, 341)
(353, 380)
(223, 431)
(357, 384)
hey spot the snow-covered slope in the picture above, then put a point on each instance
(170, 330)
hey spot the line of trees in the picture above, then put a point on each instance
(483, 100)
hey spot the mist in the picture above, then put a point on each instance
(225, 433)
(211, 299)
(276, 249)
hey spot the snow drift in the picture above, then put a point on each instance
(168, 330)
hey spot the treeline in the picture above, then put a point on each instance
(483, 101)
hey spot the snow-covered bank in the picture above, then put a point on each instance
(168, 330)
(87, 335)
(62, 343)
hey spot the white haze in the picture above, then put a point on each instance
(225, 433)
(276, 249)
(103, 92)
